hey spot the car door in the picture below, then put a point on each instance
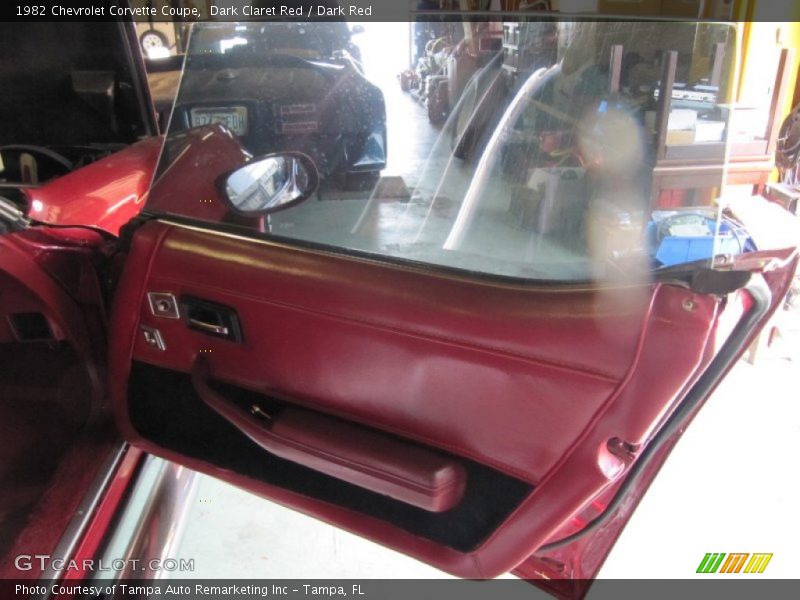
(480, 385)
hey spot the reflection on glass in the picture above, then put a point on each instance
(561, 145)
(267, 184)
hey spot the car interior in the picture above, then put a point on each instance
(52, 418)
(53, 298)
(444, 371)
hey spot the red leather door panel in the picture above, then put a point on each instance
(531, 382)
(346, 451)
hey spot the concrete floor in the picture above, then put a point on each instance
(730, 485)
(415, 223)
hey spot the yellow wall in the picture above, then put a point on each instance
(761, 42)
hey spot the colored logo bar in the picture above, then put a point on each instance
(719, 562)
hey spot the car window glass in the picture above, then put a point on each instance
(536, 149)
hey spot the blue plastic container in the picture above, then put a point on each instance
(669, 250)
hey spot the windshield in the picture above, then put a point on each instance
(315, 39)
(534, 149)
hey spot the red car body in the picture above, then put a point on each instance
(105, 194)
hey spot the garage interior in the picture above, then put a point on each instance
(254, 538)
(438, 78)
(712, 144)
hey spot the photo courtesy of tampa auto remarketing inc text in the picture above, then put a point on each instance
(394, 299)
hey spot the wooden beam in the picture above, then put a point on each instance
(670, 66)
(778, 98)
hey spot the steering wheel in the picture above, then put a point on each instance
(54, 156)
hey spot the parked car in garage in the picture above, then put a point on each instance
(299, 88)
(424, 369)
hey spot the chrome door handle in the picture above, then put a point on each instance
(211, 318)
(209, 327)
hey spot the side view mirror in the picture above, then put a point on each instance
(270, 183)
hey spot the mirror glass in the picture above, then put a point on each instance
(269, 184)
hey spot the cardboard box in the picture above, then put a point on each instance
(680, 137)
(682, 118)
(709, 131)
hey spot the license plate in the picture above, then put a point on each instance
(232, 117)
